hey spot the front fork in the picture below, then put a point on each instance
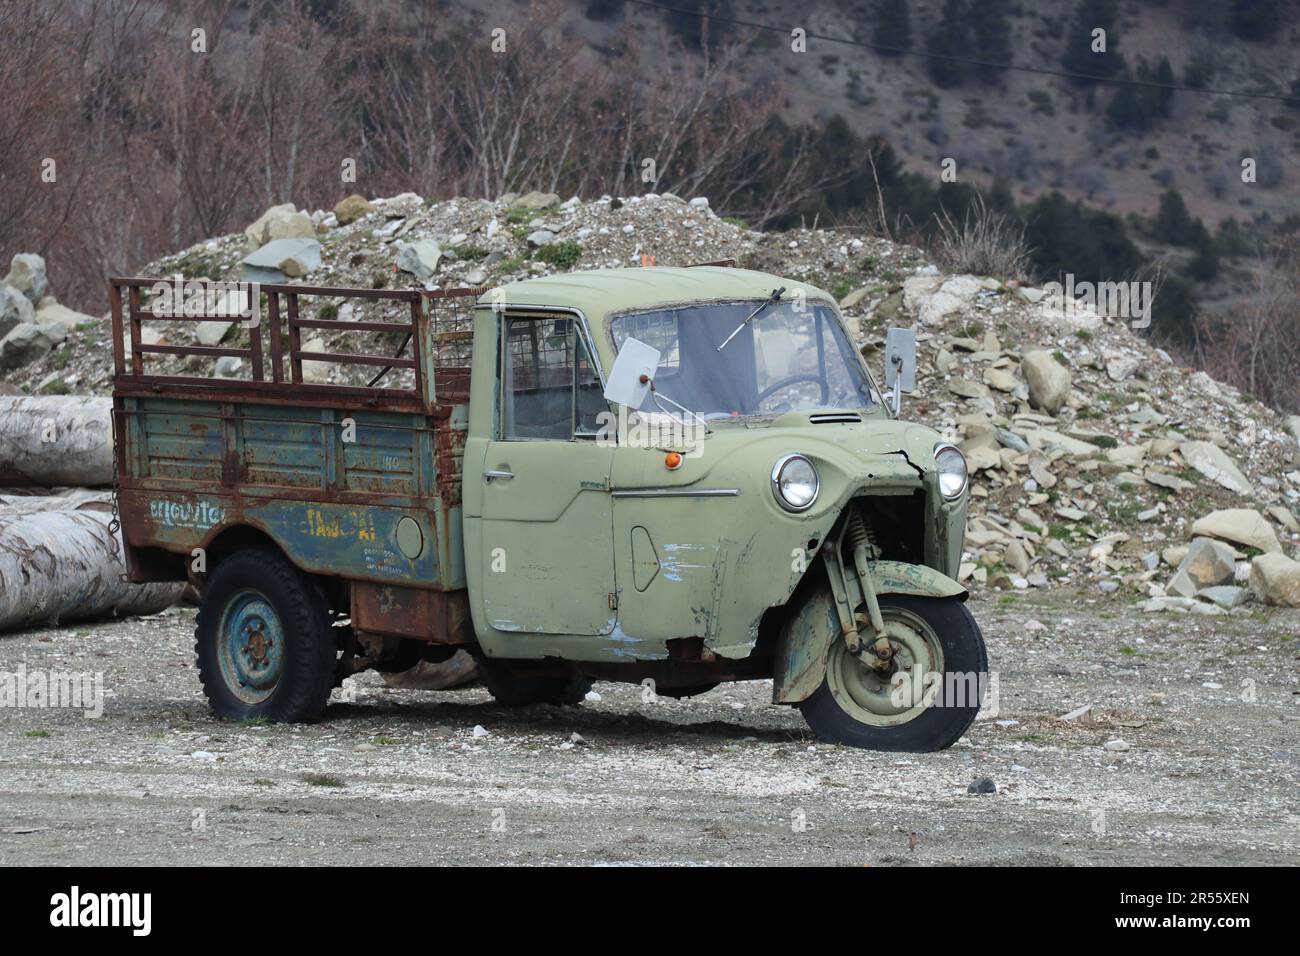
(880, 652)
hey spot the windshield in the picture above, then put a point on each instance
(785, 360)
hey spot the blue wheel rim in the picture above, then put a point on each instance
(251, 646)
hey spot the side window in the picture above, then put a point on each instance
(552, 390)
(589, 397)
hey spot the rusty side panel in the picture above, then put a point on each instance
(200, 456)
(437, 616)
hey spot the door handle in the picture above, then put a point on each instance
(496, 473)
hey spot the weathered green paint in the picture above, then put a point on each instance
(895, 577)
(590, 552)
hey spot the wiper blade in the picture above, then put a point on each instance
(773, 299)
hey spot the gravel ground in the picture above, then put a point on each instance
(397, 777)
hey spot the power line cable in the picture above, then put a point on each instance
(968, 61)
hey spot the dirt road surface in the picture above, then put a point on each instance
(1189, 756)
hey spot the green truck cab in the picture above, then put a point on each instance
(674, 476)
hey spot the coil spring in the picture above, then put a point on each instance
(862, 534)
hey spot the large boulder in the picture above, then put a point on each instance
(15, 309)
(1211, 461)
(933, 299)
(27, 342)
(51, 313)
(1208, 563)
(1049, 381)
(280, 222)
(537, 200)
(1275, 579)
(420, 258)
(1293, 426)
(280, 259)
(314, 372)
(1242, 526)
(297, 226)
(27, 275)
(352, 208)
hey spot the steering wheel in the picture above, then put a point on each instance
(792, 380)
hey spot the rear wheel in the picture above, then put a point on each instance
(514, 685)
(263, 641)
(923, 699)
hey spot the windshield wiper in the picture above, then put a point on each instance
(772, 300)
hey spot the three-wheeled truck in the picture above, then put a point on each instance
(673, 475)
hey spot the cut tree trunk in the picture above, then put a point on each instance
(65, 566)
(74, 499)
(56, 440)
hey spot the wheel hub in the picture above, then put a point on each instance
(250, 643)
(869, 684)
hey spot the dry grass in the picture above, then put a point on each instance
(984, 243)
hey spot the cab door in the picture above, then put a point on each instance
(547, 526)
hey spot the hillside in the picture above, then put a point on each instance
(1037, 133)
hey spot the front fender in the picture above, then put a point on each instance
(800, 663)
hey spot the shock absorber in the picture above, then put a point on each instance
(863, 547)
(862, 534)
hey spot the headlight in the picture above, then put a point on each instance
(794, 482)
(951, 465)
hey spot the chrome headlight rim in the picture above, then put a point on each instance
(779, 467)
(939, 449)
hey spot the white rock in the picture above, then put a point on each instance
(27, 275)
(1275, 579)
(1243, 526)
(1213, 463)
(1049, 381)
(419, 258)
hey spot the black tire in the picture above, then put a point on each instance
(513, 686)
(935, 727)
(265, 586)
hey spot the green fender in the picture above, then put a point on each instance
(801, 655)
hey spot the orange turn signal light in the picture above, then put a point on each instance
(673, 461)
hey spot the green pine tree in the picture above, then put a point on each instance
(951, 38)
(1165, 77)
(892, 24)
(1174, 224)
(1089, 16)
(991, 36)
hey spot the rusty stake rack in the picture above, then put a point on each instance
(265, 353)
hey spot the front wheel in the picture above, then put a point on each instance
(927, 696)
(263, 641)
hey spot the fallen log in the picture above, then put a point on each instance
(56, 440)
(67, 566)
(74, 499)
(456, 671)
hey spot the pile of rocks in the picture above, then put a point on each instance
(1095, 458)
(32, 323)
(1213, 577)
(1093, 455)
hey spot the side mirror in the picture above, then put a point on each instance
(900, 364)
(633, 371)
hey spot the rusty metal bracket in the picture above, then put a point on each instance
(843, 609)
(846, 596)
